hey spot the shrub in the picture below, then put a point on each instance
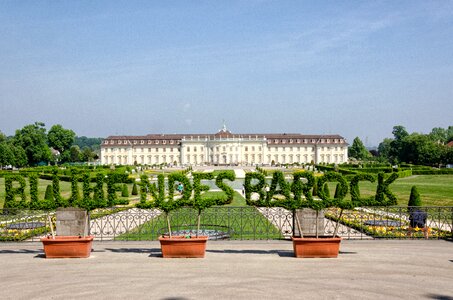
(326, 190)
(49, 193)
(414, 198)
(134, 189)
(125, 191)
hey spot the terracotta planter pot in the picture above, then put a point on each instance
(67, 246)
(180, 246)
(316, 247)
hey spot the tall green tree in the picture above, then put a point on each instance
(33, 139)
(87, 154)
(6, 154)
(384, 148)
(447, 155)
(438, 135)
(83, 141)
(421, 150)
(74, 153)
(358, 150)
(20, 157)
(396, 145)
(59, 138)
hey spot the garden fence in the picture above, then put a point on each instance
(240, 223)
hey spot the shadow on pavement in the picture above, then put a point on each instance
(21, 251)
(439, 297)
(281, 253)
(154, 252)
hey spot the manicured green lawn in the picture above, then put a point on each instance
(240, 221)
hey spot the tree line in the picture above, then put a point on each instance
(33, 145)
(414, 148)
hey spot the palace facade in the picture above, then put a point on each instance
(223, 148)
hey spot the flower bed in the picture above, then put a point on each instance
(358, 219)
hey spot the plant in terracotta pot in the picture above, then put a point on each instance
(298, 194)
(190, 194)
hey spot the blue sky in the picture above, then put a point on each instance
(354, 68)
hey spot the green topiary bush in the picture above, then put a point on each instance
(134, 190)
(326, 190)
(414, 198)
(125, 191)
(49, 193)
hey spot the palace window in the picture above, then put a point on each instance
(188, 149)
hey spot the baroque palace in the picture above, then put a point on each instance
(223, 148)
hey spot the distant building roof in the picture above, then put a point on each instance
(272, 138)
(450, 144)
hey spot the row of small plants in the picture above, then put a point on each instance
(17, 235)
(16, 227)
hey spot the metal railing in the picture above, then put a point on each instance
(242, 223)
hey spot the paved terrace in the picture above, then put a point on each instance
(377, 269)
